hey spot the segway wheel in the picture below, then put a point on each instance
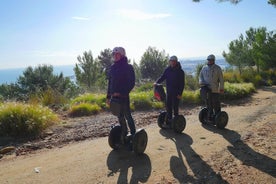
(179, 123)
(161, 119)
(203, 115)
(140, 141)
(114, 137)
(221, 119)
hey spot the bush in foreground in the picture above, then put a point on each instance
(98, 99)
(237, 90)
(142, 100)
(18, 119)
(190, 97)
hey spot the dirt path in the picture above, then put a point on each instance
(245, 152)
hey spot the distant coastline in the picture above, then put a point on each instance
(8, 76)
(189, 66)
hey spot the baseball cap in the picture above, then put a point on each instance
(211, 57)
(173, 58)
(119, 50)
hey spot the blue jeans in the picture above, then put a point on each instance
(126, 115)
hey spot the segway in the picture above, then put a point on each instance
(178, 123)
(219, 119)
(116, 140)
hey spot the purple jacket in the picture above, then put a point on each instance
(121, 78)
(175, 80)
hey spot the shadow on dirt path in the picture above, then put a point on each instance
(121, 161)
(203, 173)
(244, 153)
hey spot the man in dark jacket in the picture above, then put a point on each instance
(121, 81)
(175, 81)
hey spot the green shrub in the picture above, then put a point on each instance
(132, 108)
(18, 119)
(158, 105)
(191, 82)
(98, 99)
(198, 69)
(248, 75)
(237, 90)
(232, 77)
(49, 98)
(190, 97)
(84, 109)
(269, 82)
(144, 87)
(269, 76)
(258, 81)
(142, 100)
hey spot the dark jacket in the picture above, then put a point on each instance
(121, 78)
(175, 79)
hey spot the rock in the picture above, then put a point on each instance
(7, 150)
(37, 170)
(49, 132)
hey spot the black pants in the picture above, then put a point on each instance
(172, 103)
(212, 101)
(214, 104)
(125, 115)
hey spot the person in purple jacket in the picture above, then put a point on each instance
(175, 81)
(121, 80)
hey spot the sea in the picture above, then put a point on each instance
(189, 66)
(8, 76)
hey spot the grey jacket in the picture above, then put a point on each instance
(212, 76)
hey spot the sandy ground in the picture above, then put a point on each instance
(244, 152)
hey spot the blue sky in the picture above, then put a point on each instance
(57, 31)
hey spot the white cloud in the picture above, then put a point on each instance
(81, 18)
(139, 15)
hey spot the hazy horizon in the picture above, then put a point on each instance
(10, 75)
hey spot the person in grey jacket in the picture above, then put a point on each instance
(212, 84)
